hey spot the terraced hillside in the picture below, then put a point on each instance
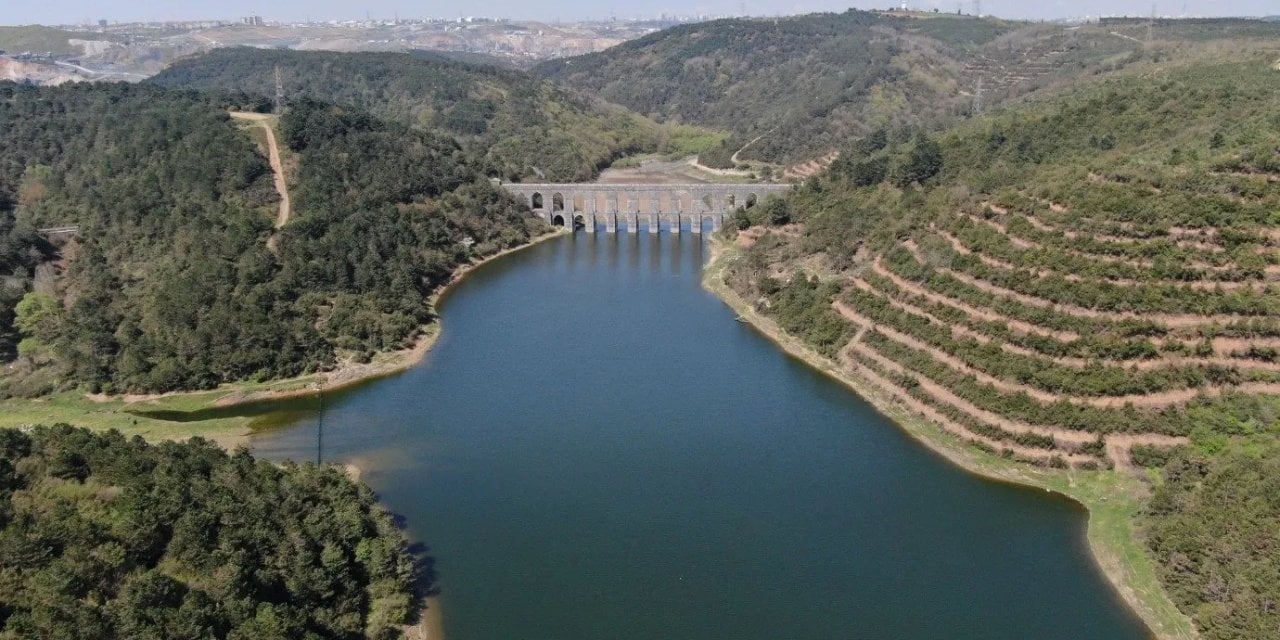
(1090, 282)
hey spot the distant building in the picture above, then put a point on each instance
(253, 21)
(102, 24)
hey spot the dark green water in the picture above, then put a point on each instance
(596, 450)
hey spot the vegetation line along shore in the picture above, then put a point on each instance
(1058, 244)
(129, 413)
(1107, 495)
(385, 364)
(347, 374)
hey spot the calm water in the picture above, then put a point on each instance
(596, 451)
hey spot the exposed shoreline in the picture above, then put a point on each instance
(431, 624)
(1109, 497)
(1114, 548)
(352, 374)
(345, 375)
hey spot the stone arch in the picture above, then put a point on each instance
(646, 204)
(601, 201)
(535, 201)
(684, 202)
(557, 201)
(708, 202)
(664, 202)
(752, 200)
(579, 202)
(557, 220)
(579, 222)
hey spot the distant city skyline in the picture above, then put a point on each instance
(90, 11)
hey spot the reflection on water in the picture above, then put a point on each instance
(595, 449)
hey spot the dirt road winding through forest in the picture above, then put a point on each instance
(264, 121)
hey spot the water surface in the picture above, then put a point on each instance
(596, 450)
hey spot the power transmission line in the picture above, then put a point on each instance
(279, 91)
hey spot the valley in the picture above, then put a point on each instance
(1048, 252)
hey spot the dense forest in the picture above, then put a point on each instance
(107, 537)
(170, 283)
(1087, 280)
(523, 127)
(745, 75)
(1083, 278)
(796, 88)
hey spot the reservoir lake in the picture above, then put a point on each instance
(596, 450)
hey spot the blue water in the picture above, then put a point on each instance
(596, 450)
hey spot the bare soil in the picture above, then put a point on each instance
(264, 121)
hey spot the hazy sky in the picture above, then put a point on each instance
(75, 11)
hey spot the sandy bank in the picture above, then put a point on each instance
(430, 626)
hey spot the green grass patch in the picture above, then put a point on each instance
(77, 409)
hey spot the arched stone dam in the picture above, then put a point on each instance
(590, 204)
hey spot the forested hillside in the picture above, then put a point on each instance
(170, 283)
(1087, 282)
(796, 88)
(103, 537)
(802, 83)
(523, 127)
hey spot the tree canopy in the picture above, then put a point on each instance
(107, 537)
(520, 126)
(170, 283)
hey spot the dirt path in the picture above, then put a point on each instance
(277, 168)
(808, 169)
(1203, 285)
(935, 416)
(286, 208)
(1130, 38)
(1155, 400)
(943, 395)
(1194, 245)
(1170, 320)
(1137, 263)
(972, 311)
(1118, 446)
(734, 158)
(1004, 231)
(697, 164)
(946, 358)
(1224, 348)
